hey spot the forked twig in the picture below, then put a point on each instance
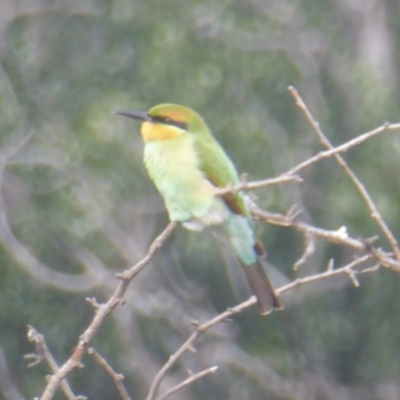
(43, 354)
(117, 378)
(101, 312)
(357, 183)
(202, 328)
(309, 249)
(292, 174)
(339, 236)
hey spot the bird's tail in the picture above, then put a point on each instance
(241, 237)
(267, 299)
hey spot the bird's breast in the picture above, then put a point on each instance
(173, 165)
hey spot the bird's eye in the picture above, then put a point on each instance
(169, 121)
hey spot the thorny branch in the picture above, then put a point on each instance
(312, 234)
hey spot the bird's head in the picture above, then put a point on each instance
(167, 121)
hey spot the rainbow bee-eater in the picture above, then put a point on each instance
(188, 167)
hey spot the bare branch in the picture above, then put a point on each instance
(311, 233)
(309, 250)
(117, 378)
(43, 354)
(361, 188)
(292, 174)
(327, 274)
(371, 269)
(102, 312)
(286, 177)
(93, 302)
(192, 378)
(201, 328)
(155, 246)
(338, 236)
(353, 278)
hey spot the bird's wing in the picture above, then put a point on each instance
(219, 170)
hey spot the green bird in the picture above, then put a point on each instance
(188, 166)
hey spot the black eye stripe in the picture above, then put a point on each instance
(169, 121)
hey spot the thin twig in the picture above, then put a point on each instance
(43, 354)
(292, 174)
(371, 269)
(309, 250)
(192, 378)
(117, 378)
(201, 328)
(154, 247)
(339, 236)
(283, 178)
(101, 312)
(361, 188)
(327, 274)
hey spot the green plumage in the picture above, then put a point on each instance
(209, 157)
(188, 166)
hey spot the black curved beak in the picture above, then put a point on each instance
(134, 114)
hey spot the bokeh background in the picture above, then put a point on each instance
(77, 205)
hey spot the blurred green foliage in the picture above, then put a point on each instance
(77, 204)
